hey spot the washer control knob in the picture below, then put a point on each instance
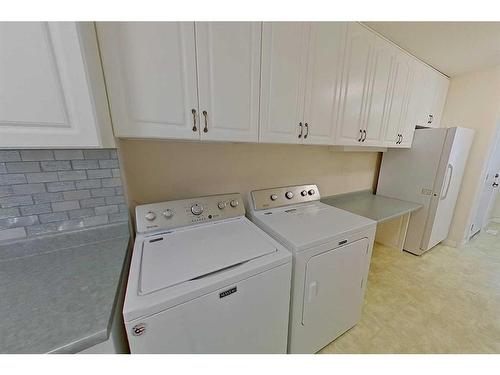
(150, 216)
(274, 197)
(303, 193)
(234, 203)
(311, 192)
(196, 209)
(289, 195)
(168, 213)
(221, 205)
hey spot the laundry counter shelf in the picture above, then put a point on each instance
(392, 215)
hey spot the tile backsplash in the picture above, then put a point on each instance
(50, 191)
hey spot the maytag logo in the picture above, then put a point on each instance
(227, 292)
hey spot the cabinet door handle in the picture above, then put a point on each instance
(205, 130)
(360, 135)
(307, 130)
(193, 111)
(401, 141)
(364, 136)
(301, 130)
(431, 118)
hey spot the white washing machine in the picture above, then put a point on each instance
(204, 279)
(331, 256)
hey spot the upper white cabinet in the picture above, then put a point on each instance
(431, 88)
(324, 70)
(300, 85)
(397, 111)
(355, 85)
(52, 91)
(150, 70)
(228, 56)
(324, 83)
(383, 64)
(284, 69)
(183, 80)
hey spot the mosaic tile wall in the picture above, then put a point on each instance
(50, 191)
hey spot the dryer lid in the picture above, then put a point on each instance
(192, 253)
(311, 224)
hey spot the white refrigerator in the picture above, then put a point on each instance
(430, 173)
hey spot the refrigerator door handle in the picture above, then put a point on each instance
(449, 182)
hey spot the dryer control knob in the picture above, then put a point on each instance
(150, 216)
(234, 203)
(311, 192)
(289, 195)
(168, 213)
(196, 209)
(221, 205)
(303, 193)
(274, 197)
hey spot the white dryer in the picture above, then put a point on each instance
(204, 279)
(331, 255)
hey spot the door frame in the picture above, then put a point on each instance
(480, 184)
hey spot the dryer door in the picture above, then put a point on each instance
(333, 291)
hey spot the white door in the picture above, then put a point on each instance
(324, 69)
(379, 92)
(150, 70)
(489, 191)
(333, 294)
(397, 106)
(355, 85)
(250, 316)
(45, 96)
(284, 64)
(228, 56)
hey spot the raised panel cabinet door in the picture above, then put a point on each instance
(360, 42)
(441, 92)
(324, 69)
(425, 88)
(397, 111)
(150, 70)
(284, 63)
(408, 123)
(382, 63)
(228, 57)
(45, 95)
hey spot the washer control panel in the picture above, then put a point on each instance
(181, 213)
(284, 196)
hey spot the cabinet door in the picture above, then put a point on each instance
(45, 96)
(397, 111)
(284, 60)
(150, 71)
(355, 85)
(379, 93)
(425, 87)
(228, 56)
(324, 69)
(441, 91)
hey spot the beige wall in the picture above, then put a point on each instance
(473, 102)
(164, 170)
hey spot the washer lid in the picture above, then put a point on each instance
(191, 253)
(310, 224)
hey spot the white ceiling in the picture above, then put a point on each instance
(452, 48)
